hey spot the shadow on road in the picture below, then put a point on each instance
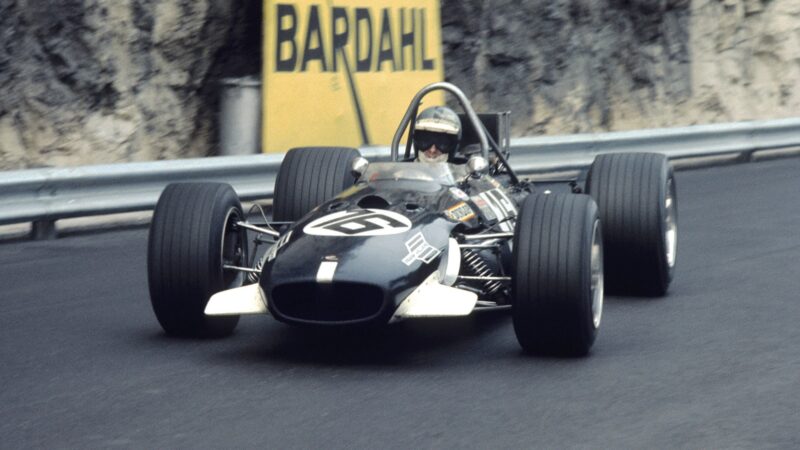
(410, 342)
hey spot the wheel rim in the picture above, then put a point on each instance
(233, 252)
(597, 275)
(671, 222)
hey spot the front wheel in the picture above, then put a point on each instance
(309, 176)
(193, 235)
(557, 288)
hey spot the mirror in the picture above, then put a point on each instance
(359, 166)
(477, 165)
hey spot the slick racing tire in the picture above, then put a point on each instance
(308, 177)
(193, 234)
(635, 193)
(557, 273)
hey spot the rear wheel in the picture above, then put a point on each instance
(193, 234)
(308, 177)
(635, 193)
(557, 287)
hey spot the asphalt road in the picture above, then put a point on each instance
(716, 364)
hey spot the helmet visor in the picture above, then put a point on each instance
(423, 140)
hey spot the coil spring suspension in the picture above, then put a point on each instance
(478, 267)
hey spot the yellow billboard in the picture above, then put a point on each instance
(342, 72)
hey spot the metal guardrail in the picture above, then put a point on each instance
(43, 196)
(547, 152)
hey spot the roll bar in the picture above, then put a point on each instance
(411, 113)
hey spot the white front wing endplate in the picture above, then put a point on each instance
(432, 299)
(248, 299)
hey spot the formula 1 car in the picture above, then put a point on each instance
(353, 242)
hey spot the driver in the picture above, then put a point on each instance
(437, 134)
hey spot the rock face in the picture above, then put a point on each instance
(571, 66)
(89, 81)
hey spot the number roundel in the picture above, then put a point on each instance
(367, 222)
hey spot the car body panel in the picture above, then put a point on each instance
(381, 239)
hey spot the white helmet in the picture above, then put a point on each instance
(439, 126)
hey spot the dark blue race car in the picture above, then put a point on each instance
(353, 242)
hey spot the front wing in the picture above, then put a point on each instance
(429, 299)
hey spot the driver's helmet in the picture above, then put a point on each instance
(439, 126)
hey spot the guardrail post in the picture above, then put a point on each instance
(43, 230)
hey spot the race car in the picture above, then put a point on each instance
(353, 242)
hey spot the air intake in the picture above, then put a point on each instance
(334, 303)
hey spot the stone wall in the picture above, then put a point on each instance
(571, 66)
(89, 81)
